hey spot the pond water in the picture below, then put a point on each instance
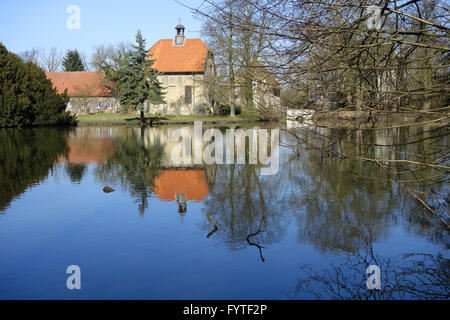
(217, 231)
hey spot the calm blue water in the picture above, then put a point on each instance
(311, 227)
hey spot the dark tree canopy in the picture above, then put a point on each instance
(27, 97)
(73, 62)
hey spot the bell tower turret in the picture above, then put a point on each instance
(179, 38)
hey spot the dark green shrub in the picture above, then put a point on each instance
(224, 110)
(27, 97)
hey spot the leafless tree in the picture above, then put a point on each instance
(51, 59)
(334, 59)
(109, 55)
(235, 31)
(32, 55)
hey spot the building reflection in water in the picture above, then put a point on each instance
(86, 146)
(181, 185)
(88, 151)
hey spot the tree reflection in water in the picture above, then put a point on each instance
(346, 204)
(75, 171)
(406, 276)
(338, 205)
(245, 208)
(332, 198)
(133, 165)
(335, 198)
(26, 160)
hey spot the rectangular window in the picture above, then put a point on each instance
(187, 94)
(277, 92)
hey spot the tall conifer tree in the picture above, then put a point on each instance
(137, 82)
(73, 62)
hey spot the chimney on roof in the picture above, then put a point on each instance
(179, 38)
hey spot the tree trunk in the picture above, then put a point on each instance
(230, 63)
(232, 110)
(142, 117)
(359, 98)
(326, 101)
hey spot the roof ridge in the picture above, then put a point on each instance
(184, 39)
(76, 71)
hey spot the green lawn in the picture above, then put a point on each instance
(116, 118)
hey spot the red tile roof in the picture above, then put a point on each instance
(80, 83)
(188, 58)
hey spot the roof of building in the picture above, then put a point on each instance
(83, 83)
(190, 57)
(191, 182)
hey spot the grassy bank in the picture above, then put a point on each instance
(130, 119)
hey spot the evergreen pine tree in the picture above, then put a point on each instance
(73, 62)
(137, 82)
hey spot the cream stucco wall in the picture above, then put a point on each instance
(175, 87)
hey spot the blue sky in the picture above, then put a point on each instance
(25, 24)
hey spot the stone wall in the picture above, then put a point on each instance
(87, 105)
